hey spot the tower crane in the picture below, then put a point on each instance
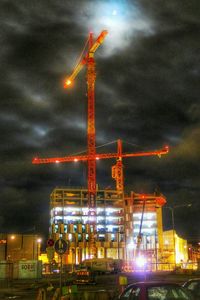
(88, 60)
(117, 169)
(91, 156)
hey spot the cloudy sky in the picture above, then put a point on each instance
(147, 94)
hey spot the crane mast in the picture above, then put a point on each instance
(89, 61)
(91, 145)
(91, 135)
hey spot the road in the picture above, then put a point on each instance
(28, 289)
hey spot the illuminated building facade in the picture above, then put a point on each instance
(70, 216)
(144, 212)
(175, 248)
(118, 219)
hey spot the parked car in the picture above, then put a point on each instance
(155, 290)
(193, 285)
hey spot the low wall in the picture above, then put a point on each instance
(24, 269)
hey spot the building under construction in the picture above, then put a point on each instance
(118, 220)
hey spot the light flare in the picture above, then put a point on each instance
(141, 261)
(67, 83)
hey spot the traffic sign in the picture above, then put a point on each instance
(61, 246)
(50, 242)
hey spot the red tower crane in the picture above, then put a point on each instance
(88, 60)
(92, 156)
(117, 170)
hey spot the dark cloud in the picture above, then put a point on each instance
(147, 94)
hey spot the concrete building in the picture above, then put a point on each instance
(14, 247)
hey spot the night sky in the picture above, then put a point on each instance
(147, 94)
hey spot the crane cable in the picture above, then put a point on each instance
(85, 151)
(106, 144)
(81, 55)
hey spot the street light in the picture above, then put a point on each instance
(39, 240)
(172, 208)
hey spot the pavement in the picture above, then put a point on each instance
(28, 289)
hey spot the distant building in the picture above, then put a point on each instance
(175, 248)
(16, 247)
(194, 253)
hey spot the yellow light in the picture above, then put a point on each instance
(12, 237)
(75, 159)
(67, 83)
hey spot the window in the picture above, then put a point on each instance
(135, 293)
(131, 294)
(80, 239)
(167, 292)
(194, 287)
(126, 294)
(157, 292)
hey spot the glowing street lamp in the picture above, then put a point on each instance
(39, 240)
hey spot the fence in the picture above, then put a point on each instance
(24, 269)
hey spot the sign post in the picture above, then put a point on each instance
(61, 246)
(50, 252)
